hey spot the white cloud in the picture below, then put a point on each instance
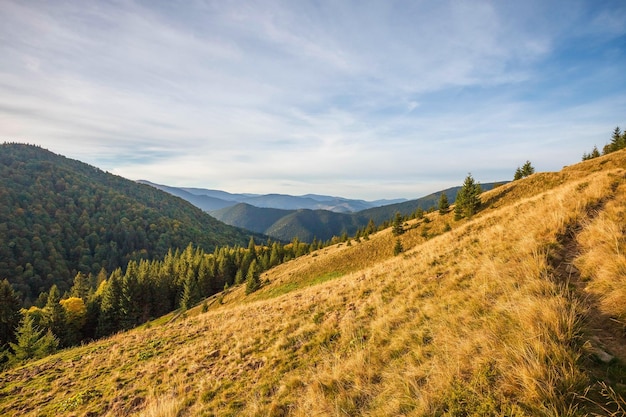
(372, 98)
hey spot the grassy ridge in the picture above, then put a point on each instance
(479, 317)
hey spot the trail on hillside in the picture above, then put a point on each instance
(606, 336)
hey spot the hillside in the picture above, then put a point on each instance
(59, 216)
(322, 224)
(519, 311)
(285, 225)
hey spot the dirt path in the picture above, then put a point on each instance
(605, 336)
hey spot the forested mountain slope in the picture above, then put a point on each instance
(517, 311)
(59, 216)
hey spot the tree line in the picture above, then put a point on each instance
(618, 141)
(100, 305)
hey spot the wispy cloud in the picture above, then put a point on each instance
(365, 99)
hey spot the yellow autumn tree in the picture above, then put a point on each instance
(75, 316)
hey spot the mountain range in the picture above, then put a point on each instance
(211, 200)
(308, 217)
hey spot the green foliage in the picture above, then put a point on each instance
(526, 170)
(618, 141)
(253, 280)
(61, 217)
(444, 206)
(397, 227)
(9, 313)
(467, 199)
(32, 342)
(398, 249)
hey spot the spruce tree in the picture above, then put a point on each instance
(253, 279)
(9, 313)
(527, 169)
(467, 199)
(444, 206)
(397, 226)
(398, 249)
(54, 314)
(32, 342)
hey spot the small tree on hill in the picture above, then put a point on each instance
(467, 199)
(253, 279)
(397, 228)
(398, 249)
(444, 206)
(526, 170)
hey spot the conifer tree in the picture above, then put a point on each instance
(397, 227)
(398, 249)
(54, 314)
(253, 279)
(110, 316)
(467, 199)
(9, 313)
(32, 342)
(527, 169)
(444, 206)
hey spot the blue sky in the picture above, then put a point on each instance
(363, 99)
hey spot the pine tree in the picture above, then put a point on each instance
(109, 320)
(9, 313)
(32, 342)
(54, 315)
(253, 279)
(444, 206)
(527, 169)
(397, 227)
(398, 249)
(81, 286)
(467, 199)
(518, 174)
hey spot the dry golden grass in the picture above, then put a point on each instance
(476, 320)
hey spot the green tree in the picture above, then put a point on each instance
(81, 286)
(518, 174)
(54, 315)
(398, 249)
(9, 313)
(467, 199)
(110, 316)
(444, 205)
(397, 227)
(32, 342)
(253, 279)
(527, 169)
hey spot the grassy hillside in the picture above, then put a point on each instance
(59, 216)
(518, 311)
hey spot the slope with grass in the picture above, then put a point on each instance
(502, 314)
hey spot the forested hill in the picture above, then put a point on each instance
(59, 216)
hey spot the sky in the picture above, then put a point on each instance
(360, 99)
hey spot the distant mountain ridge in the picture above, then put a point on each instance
(306, 224)
(210, 200)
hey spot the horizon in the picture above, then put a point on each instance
(364, 101)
